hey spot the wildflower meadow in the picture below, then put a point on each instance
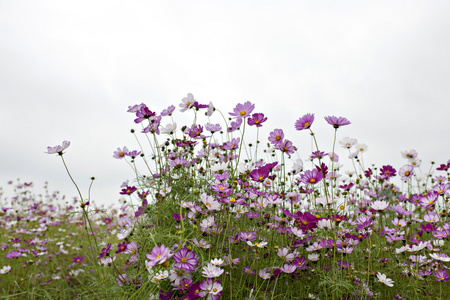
(214, 214)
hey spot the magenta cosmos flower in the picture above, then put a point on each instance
(257, 120)
(58, 149)
(441, 275)
(286, 146)
(304, 122)
(337, 121)
(311, 177)
(186, 260)
(387, 172)
(243, 110)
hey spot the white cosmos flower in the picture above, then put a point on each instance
(379, 205)
(313, 257)
(442, 257)
(169, 129)
(387, 281)
(5, 269)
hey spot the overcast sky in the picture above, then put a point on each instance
(70, 69)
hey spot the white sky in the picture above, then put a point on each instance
(70, 69)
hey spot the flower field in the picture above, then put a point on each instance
(214, 215)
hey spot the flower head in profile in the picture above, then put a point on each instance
(159, 255)
(379, 205)
(387, 281)
(211, 271)
(257, 120)
(187, 102)
(58, 149)
(286, 146)
(336, 122)
(304, 122)
(243, 110)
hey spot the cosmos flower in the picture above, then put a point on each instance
(348, 142)
(159, 255)
(5, 269)
(387, 281)
(185, 259)
(211, 271)
(143, 113)
(441, 275)
(276, 136)
(168, 111)
(210, 288)
(387, 172)
(379, 205)
(78, 259)
(58, 149)
(260, 174)
(120, 153)
(243, 110)
(257, 120)
(304, 122)
(311, 177)
(336, 122)
(406, 172)
(187, 102)
(286, 146)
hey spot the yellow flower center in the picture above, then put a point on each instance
(407, 173)
(312, 180)
(183, 260)
(242, 113)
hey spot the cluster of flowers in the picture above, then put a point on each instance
(42, 238)
(232, 218)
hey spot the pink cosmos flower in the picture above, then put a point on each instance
(336, 122)
(159, 255)
(168, 111)
(304, 122)
(243, 110)
(276, 136)
(121, 153)
(58, 149)
(406, 172)
(186, 260)
(286, 146)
